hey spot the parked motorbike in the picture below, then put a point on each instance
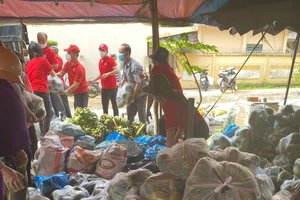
(94, 89)
(226, 80)
(204, 82)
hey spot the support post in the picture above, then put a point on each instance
(191, 112)
(292, 68)
(155, 41)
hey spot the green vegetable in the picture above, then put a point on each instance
(296, 168)
(284, 175)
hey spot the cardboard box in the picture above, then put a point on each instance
(244, 108)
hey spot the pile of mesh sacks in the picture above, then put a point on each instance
(222, 167)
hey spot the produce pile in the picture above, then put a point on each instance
(258, 162)
(107, 124)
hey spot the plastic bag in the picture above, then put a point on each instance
(266, 186)
(112, 161)
(163, 186)
(66, 141)
(138, 177)
(289, 147)
(220, 120)
(115, 136)
(119, 186)
(55, 84)
(143, 164)
(152, 152)
(230, 117)
(86, 142)
(135, 152)
(133, 197)
(47, 184)
(51, 159)
(182, 157)
(69, 130)
(101, 187)
(290, 185)
(35, 194)
(123, 94)
(56, 122)
(82, 160)
(77, 179)
(259, 122)
(71, 193)
(35, 104)
(232, 154)
(230, 130)
(100, 196)
(212, 180)
(143, 140)
(218, 141)
(158, 139)
(282, 195)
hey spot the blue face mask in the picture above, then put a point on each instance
(121, 57)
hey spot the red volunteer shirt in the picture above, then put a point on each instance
(107, 65)
(38, 70)
(60, 66)
(176, 115)
(50, 55)
(76, 73)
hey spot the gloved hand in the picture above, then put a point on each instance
(12, 179)
(21, 159)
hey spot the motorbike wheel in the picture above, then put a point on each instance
(93, 91)
(223, 86)
(204, 86)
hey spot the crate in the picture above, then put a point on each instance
(244, 109)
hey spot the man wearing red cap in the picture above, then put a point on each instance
(77, 77)
(108, 70)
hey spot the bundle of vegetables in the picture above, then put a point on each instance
(88, 121)
(212, 180)
(263, 148)
(242, 139)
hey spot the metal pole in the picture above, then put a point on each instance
(191, 112)
(292, 68)
(155, 41)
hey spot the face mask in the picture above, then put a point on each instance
(68, 57)
(42, 45)
(121, 57)
(102, 54)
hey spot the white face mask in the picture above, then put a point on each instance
(42, 45)
(68, 57)
(102, 54)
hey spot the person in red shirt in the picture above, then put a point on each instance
(164, 85)
(47, 51)
(77, 77)
(63, 106)
(108, 71)
(38, 69)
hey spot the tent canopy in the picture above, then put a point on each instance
(239, 16)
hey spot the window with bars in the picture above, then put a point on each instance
(250, 47)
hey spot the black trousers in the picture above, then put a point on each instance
(33, 139)
(106, 95)
(81, 100)
(45, 123)
(65, 101)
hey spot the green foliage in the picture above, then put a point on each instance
(296, 75)
(52, 43)
(177, 47)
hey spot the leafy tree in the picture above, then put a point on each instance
(52, 43)
(296, 74)
(177, 47)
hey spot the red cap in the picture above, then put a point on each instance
(72, 48)
(103, 47)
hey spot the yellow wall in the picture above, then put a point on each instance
(269, 67)
(260, 69)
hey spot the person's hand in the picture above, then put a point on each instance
(12, 179)
(130, 100)
(22, 159)
(142, 76)
(104, 76)
(121, 84)
(90, 82)
(148, 115)
(65, 92)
